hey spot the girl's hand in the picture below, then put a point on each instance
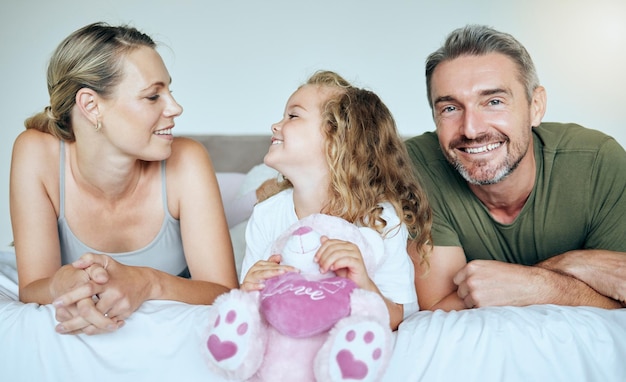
(263, 270)
(345, 259)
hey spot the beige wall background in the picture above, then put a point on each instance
(235, 63)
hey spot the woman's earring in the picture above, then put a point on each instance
(98, 125)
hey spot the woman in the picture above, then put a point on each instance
(107, 207)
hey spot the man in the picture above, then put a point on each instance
(524, 212)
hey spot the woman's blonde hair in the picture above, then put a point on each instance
(91, 57)
(369, 163)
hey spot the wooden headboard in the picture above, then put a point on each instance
(234, 153)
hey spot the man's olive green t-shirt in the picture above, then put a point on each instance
(578, 200)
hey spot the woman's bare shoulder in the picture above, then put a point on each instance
(35, 166)
(187, 143)
(33, 145)
(190, 175)
(188, 152)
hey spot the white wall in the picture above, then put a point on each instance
(234, 63)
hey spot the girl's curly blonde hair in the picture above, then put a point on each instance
(369, 163)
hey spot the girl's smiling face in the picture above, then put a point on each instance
(298, 140)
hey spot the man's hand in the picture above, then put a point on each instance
(496, 283)
(266, 189)
(604, 271)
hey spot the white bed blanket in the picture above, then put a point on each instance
(162, 341)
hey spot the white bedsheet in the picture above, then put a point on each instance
(162, 342)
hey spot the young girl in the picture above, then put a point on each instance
(340, 154)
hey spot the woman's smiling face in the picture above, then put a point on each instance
(139, 116)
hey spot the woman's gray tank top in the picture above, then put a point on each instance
(164, 253)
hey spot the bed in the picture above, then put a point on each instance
(162, 341)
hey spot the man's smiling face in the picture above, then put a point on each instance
(483, 116)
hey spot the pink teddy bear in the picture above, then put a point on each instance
(303, 326)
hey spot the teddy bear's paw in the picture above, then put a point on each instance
(358, 352)
(227, 341)
(233, 339)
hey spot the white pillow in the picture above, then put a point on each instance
(239, 191)
(242, 208)
(230, 184)
(238, 238)
(255, 177)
